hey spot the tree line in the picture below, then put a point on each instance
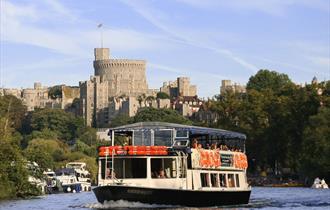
(287, 125)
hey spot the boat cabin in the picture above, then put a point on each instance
(167, 155)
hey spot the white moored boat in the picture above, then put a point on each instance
(163, 163)
(320, 184)
(83, 176)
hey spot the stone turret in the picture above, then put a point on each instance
(125, 77)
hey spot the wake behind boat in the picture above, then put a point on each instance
(164, 163)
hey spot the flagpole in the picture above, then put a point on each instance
(101, 33)
(101, 37)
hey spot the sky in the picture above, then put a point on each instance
(52, 41)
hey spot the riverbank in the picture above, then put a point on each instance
(268, 181)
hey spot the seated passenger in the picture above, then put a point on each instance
(110, 174)
(194, 144)
(214, 146)
(161, 173)
(199, 146)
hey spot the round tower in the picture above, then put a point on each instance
(124, 76)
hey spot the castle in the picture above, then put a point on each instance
(114, 89)
(118, 87)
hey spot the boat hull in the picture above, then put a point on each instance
(171, 196)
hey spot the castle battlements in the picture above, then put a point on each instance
(118, 63)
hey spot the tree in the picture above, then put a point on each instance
(13, 109)
(162, 95)
(121, 119)
(265, 79)
(66, 125)
(88, 136)
(46, 152)
(13, 169)
(316, 146)
(55, 92)
(161, 115)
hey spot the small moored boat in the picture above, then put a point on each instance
(68, 180)
(320, 184)
(83, 176)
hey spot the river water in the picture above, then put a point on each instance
(261, 198)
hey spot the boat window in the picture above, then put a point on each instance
(181, 134)
(163, 168)
(205, 180)
(122, 140)
(142, 137)
(215, 180)
(130, 168)
(181, 143)
(118, 168)
(237, 180)
(223, 181)
(135, 168)
(231, 181)
(163, 138)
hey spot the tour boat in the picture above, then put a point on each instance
(83, 176)
(163, 163)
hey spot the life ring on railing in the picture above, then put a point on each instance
(208, 159)
(147, 150)
(216, 158)
(240, 161)
(201, 158)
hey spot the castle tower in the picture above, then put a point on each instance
(125, 77)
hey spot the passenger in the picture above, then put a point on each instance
(110, 174)
(199, 146)
(208, 146)
(214, 146)
(161, 173)
(194, 144)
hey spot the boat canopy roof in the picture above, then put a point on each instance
(193, 130)
(65, 171)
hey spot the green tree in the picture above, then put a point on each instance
(162, 95)
(265, 79)
(55, 92)
(14, 111)
(316, 146)
(121, 119)
(13, 169)
(66, 125)
(46, 152)
(161, 115)
(88, 136)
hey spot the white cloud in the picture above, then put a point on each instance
(69, 39)
(151, 14)
(271, 7)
